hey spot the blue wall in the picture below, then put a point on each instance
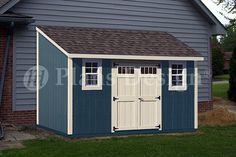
(52, 98)
(92, 109)
(178, 106)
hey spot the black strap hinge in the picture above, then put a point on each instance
(158, 127)
(159, 98)
(114, 98)
(115, 128)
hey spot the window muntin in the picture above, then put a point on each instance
(92, 75)
(177, 75)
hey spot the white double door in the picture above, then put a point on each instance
(136, 96)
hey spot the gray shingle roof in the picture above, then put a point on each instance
(78, 40)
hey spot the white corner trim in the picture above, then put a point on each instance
(178, 88)
(37, 78)
(136, 57)
(70, 98)
(97, 87)
(195, 95)
(52, 41)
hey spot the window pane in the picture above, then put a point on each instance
(174, 66)
(94, 64)
(95, 70)
(174, 71)
(142, 70)
(132, 70)
(180, 71)
(154, 70)
(150, 70)
(119, 70)
(88, 64)
(88, 70)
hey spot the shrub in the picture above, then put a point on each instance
(217, 62)
(232, 78)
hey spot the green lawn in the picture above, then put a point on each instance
(221, 77)
(220, 90)
(209, 142)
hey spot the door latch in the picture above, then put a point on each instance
(159, 98)
(114, 98)
(141, 99)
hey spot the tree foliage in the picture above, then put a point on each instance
(217, 61)
(229, 41)
(232, 80)
(230, 7)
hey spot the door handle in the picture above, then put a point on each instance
(141, 99)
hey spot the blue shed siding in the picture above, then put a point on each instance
(178, 17)
(92, 109)
(52, 97)
(178, 107)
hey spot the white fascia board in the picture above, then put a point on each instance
(136, 57)
(52, 41)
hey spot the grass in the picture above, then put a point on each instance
(220, 90)
(221, 77)
(209, 142)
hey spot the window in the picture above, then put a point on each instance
(92, 74)
(148, 70)
(177, 76)
(125, 70)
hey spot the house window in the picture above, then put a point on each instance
(92, 74)
(177, 76)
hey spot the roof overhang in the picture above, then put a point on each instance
(8, 6)
(217, 27)
(118, 57)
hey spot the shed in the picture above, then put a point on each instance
(105, 82)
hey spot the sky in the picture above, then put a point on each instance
(215, 9)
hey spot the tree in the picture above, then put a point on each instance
(229, 41)
(230, 7)
(232, 80)
(217, 61)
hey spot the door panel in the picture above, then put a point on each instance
(148, 112)
(126, 117)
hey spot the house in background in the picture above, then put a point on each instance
(227, 58)
(185, 22)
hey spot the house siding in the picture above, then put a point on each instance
(92, 109)
(7, 113)
(53, 96)
(178, 17)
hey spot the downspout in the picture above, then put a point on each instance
(4, 68)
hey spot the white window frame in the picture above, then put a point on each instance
(184, 85)
(99, 73)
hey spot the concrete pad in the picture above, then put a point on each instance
(13, 140)
(18, 136)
